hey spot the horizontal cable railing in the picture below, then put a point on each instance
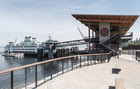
(40, 72)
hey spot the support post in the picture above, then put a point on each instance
(92, 40)
(89, 34)
(92, 34)
(119, 31)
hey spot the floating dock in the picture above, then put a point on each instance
(13, 54)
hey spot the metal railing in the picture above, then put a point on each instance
(129, 34)
(137, 55)
(40, 72)
(111, 39)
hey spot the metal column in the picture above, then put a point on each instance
(89, 34)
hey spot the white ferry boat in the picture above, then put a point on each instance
(30, 45)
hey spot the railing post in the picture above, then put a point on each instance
(80, 61)
(67, 63)
(72, 63)
(95, 59)
(51, 70)
(25, 78)
(62, 66)
(101, 58)
(87, 60)
(44, 71)
(12, 87)
(57, 66)
(104, 58)
(136, 55)
(118, 55)
(35, 75)
(108, 57)
(76, 61)
(84, 59)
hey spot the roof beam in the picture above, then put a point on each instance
(133, 21)
(96, 24)
(112, 21)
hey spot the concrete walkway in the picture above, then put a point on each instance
(99, 76)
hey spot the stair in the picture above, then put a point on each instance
(114, 53)
(112, 39)
(105, 47)
(102, 47)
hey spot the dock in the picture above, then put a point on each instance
(98, 66)
(13, 54)
(99, 76)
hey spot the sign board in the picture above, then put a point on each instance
(104, 31)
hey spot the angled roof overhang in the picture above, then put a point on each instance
(116, 21)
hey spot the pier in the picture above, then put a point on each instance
(54, 66)
(100, 76)
(13, 54)
(94, 66)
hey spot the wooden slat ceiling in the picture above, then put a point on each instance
(125, 21)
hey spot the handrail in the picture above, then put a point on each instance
(112, 50)
(37, 72)
(111, 38)
(42, 62)
(128, 34)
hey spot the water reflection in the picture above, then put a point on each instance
(43, 70)
(11, 62)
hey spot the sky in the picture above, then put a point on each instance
(39, 18)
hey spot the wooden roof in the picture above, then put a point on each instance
(116, 21)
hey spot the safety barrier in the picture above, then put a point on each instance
(23, 76)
